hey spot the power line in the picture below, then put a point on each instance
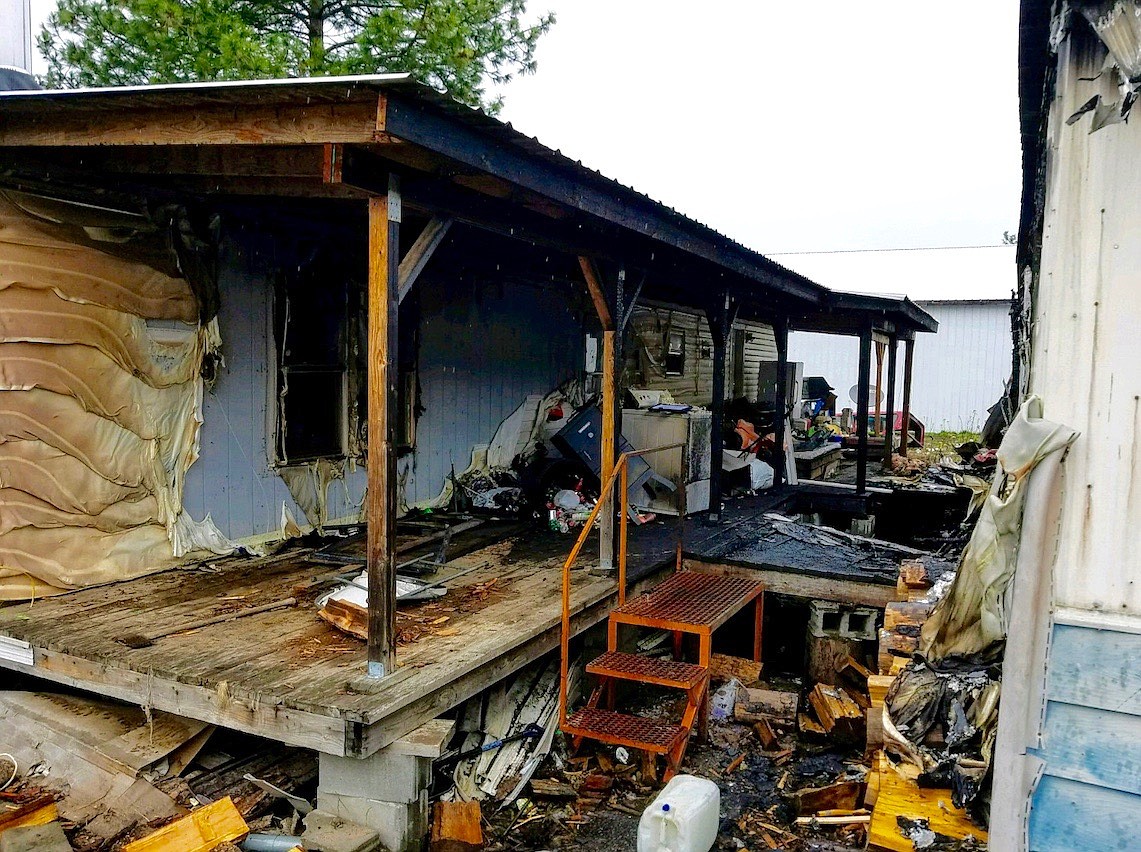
(871, 250)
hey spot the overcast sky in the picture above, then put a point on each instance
(799, 126)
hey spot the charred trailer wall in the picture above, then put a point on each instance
(472, 349)
(1069, 739)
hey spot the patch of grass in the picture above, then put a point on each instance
(940, 444)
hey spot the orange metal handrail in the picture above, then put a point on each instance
(619, 472)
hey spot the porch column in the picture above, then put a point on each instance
(862, 410)
(889, 427)
(908, 355)
(608, 306)
(780, 332)
(383, 314)
(877, 425)
(720, 319)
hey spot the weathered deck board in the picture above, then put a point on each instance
(286, 673)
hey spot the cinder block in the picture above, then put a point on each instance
(859, 623)
(833, 620)
(402, 827)
(825, 618)
(385, 776)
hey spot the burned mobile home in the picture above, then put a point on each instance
(233, 313)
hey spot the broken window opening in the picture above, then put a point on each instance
(675, 353)
(311, 309)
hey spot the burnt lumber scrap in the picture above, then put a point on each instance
(37, 810)
(838, 712)
(724, 666)
(900, 801)
(201, 830)
(899, 637)
(766, 705)
(844, 796)
(456, 827)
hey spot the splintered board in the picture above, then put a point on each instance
(199, 831)
(899, 796)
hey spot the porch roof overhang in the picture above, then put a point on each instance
(341, 138)
(856, 313)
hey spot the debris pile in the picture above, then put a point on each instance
(93, 774)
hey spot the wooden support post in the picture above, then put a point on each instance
(780, 331)
(720, 322)
(608, 303)
(877, 424)
(862, 411)
(889, 427)
(905, 432)
(383, 314)
(609, 421)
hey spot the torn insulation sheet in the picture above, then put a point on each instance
(100, 407)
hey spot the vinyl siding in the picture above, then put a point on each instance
(645, 349)
(1091, 774)
(484, 349)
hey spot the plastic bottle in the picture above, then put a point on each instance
(683, 818)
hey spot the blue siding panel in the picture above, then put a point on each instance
(1093, 746)
(1089, 796)
(1096, 668)
(1068, 816)
(484, 348)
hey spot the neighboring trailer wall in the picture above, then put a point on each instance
(959, 372)
(1084, 626)
(646, 347)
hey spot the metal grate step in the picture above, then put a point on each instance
(689, 599)
(648, 670)
(606, 726)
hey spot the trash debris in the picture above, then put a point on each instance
(724, 700)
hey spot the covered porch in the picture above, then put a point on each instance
(397, 185)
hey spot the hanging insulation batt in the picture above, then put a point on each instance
(100, 394)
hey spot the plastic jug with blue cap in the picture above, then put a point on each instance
(682, 818)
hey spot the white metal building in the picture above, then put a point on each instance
(960, 372)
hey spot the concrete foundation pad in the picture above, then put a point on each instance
(328, 832)
(400, 826)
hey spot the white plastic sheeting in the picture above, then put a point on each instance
(975, 613)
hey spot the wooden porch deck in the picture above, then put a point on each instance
(287, 674)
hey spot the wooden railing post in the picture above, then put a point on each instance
(905, 432)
